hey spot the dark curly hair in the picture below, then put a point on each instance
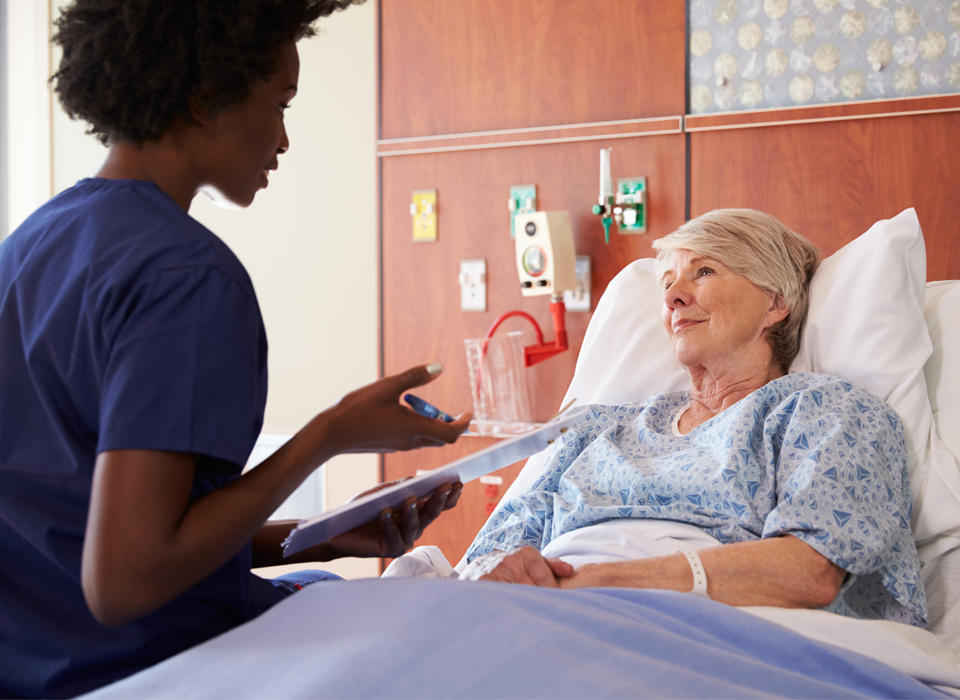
(131, 67)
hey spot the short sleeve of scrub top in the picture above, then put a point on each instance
(192, 328)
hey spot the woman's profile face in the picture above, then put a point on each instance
(246, 138)
(711, 312)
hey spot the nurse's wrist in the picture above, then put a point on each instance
(324, 436)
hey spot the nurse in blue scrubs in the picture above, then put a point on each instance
(133, 358)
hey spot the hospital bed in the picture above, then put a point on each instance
(873, 320)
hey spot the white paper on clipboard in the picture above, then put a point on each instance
(339, 520)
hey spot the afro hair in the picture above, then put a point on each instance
(130, 68)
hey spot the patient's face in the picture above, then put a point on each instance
(713, 314)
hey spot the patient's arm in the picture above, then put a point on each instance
(779, 571)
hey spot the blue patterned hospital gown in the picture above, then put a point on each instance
(806, 455)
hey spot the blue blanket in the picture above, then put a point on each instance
(429, 638)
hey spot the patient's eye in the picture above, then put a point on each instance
(704, 270)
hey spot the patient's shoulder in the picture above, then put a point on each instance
(823, 393)
(819, 382)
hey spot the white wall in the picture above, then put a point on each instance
(308, 241)
(26, 147)
(4, 144)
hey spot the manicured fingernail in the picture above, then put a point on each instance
(434, 368)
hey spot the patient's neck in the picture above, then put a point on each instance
(711, 392)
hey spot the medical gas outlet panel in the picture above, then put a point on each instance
(546, 259)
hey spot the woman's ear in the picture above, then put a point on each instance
(197, 107)
(778, 310)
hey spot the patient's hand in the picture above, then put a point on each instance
(524, 565)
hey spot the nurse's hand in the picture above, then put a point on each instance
(372, 419)
(394, 531)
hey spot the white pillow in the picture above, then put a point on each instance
(942, 371)
(942, 311)
(865, 324)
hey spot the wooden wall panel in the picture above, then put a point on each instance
(830, 181)
(422, 321)
(454, 66)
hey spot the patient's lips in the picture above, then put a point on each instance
(680, 324)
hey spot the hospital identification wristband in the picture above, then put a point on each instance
(699, 574)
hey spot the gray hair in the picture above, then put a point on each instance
(759, 247)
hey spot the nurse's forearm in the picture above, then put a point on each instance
(268, 549)
(145, 543)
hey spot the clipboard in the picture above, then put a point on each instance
(333, 522)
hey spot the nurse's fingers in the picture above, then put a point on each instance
(432, 506)
(392, 541)
(411, 527)
(414, 376)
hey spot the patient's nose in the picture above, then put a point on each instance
(676, 295)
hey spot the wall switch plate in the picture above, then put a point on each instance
(523, 199)
(579, 299)
(423, 210)
(473, 284)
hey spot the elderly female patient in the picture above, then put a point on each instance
(756, 487)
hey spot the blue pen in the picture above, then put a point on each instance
(425, 409)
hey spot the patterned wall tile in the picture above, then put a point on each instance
(754, 54)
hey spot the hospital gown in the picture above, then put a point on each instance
(806, 455)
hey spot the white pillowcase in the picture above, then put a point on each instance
(942, 311)
(865, 324)
(942, 371)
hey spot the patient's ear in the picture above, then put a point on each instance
(777, 311)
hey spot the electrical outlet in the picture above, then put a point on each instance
(423, 210)
(579, 299)
(473, 284)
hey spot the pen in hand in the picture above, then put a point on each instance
(426, 409)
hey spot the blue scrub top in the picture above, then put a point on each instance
(124, 324)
